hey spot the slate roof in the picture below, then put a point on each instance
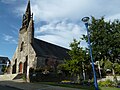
(43, 48)
(4, 59)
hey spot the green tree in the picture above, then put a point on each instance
(105, 40)
(108, 65)
(78, 58)
(117, 68)
(4, 69)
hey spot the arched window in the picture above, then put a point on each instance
(21, 48)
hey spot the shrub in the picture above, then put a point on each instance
(65, 81)
(24, 77)
(4, 69)
(107, 83)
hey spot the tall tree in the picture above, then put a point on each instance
(105, 40)
(78, 59)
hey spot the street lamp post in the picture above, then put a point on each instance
(85, 20)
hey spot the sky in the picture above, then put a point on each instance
(56, 21)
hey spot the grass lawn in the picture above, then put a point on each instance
(78, 86)
(109, 88)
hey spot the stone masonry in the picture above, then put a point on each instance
(32, 52)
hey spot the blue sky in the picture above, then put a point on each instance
(56, 21)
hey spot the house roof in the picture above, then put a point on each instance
(43, 48)
(4, 59)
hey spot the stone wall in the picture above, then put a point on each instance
(110, 78)
(24, 52)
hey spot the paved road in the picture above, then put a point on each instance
(29, 86)
(8, 88)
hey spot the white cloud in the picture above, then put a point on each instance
(9, 39)
(113, 17)
(73, 9)
(60, 32)
(58, 9)
(55, 12)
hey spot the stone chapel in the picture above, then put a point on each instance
(32, 52)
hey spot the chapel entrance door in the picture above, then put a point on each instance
(20, 67)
